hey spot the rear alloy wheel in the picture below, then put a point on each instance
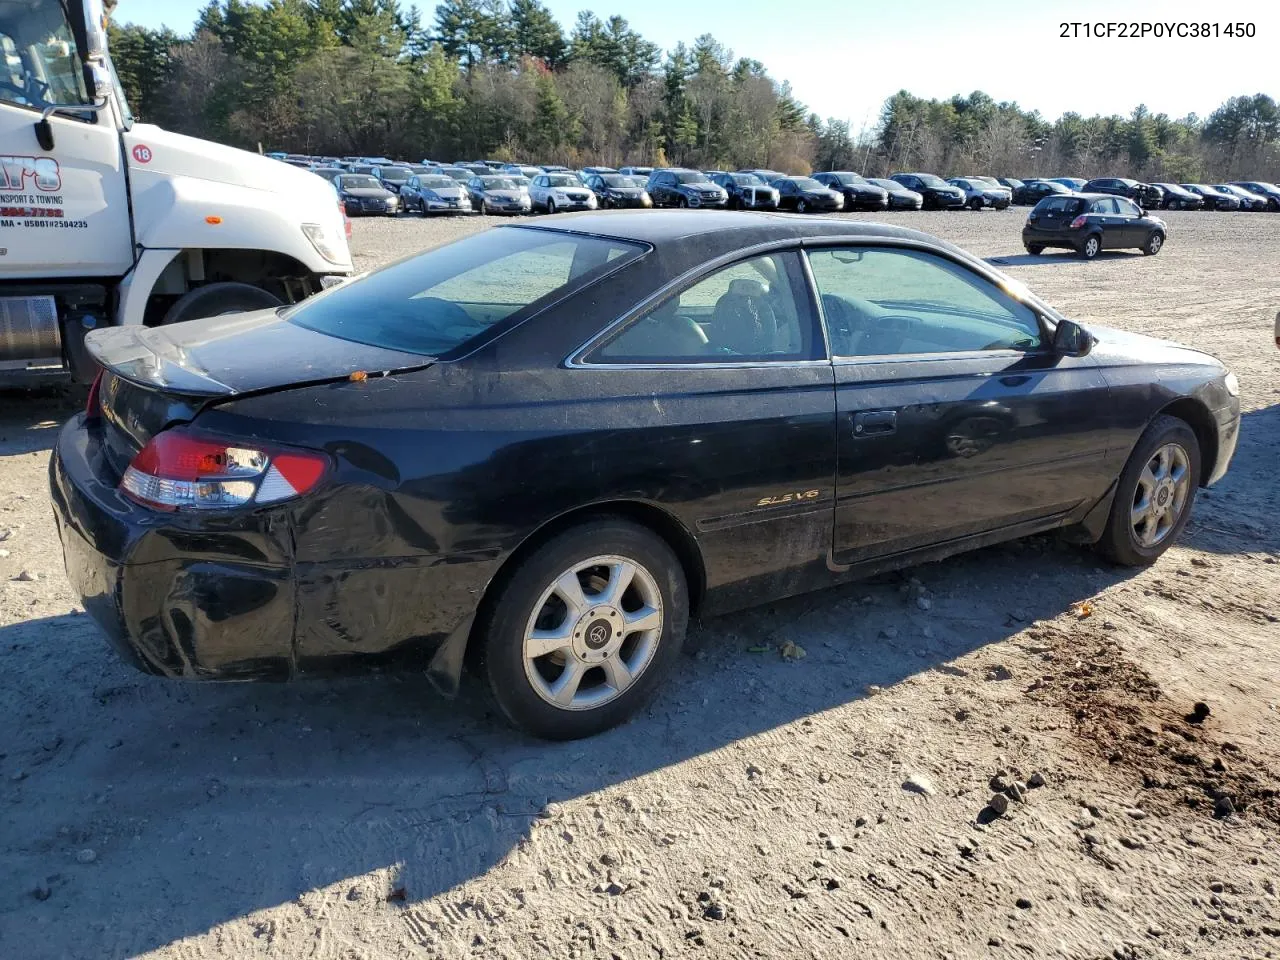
(586, 627)
(1153, 244)
(1154, 494)
(219, 299)
(1092, 247)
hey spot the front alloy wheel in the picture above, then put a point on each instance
(582, 632)
(1154, 494)
(1154, 243)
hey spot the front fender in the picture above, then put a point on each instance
(178, 212)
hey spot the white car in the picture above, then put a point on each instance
(558, 192)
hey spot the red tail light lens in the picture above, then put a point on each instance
(1077, 223)
(346, 221)
(93, 406)
(182, 470)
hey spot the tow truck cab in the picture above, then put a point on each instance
(104, 220)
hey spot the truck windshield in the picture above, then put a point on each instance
(39, 63)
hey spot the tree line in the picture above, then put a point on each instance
(502, 79)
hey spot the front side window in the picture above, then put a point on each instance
(39, 63)
(1107, 206)
(436, 302)
(747, 311)
(886, 302)
(1128, 207)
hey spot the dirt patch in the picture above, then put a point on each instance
(1172, 751)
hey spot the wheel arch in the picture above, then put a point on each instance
(1196, 415)
(642, 513)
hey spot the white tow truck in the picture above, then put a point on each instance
(107, 221)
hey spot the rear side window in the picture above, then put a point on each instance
(436, 302)
(746, 311)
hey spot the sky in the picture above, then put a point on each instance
(844, 58)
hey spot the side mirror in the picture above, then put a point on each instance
(1072, 340)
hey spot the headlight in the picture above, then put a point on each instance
(1232, 384)
(331, 249)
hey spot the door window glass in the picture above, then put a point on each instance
(880, 302)
(1128, 207)
(747, 311)
(39, 64)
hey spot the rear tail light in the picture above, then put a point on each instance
(93, 406)
(1077, 223)
(346, 221)
(182, 470)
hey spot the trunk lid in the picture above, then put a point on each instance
(154, 377)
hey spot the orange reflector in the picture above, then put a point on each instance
(213, 221)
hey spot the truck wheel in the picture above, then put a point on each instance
(216, 299)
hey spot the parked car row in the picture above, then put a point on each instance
(433, 187)
(1237, 195)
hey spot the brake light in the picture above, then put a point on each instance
(179, 469)
(346, 221)
(93, 406)
(1077, 223)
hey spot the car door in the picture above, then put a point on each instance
(725, 385)
(1133, 227)
(64, 209)
(954, 417)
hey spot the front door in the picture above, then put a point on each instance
(953, 418)
(64, 211)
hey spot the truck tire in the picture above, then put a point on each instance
(216, 299)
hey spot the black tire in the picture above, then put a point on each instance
(683, 202)
(1155, 242)
(1118, 542)
(501, 628)
(551, 205)
(801, 207)
(1091, 246)
(215, 299)
(975, 204)
(1035, 249)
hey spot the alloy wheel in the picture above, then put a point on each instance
(1161, 495)
(593, 632)
(1092, 246)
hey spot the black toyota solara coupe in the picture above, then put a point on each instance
(541, 449)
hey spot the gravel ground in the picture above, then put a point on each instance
(835, 805)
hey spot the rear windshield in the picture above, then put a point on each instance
(435, 302)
